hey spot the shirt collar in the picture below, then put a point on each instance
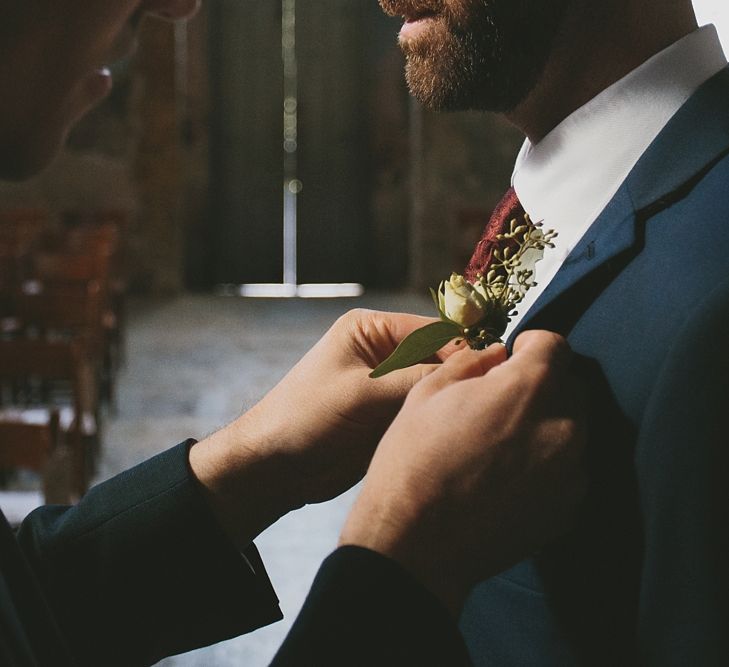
(567, 178)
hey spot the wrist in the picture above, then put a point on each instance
(400, 532)
(247, 482)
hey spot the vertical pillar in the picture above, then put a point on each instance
(157, 163)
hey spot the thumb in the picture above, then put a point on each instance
(468, 364)
(395, 386)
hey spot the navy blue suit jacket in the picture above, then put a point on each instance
(644, 298)
(140, 570)
(137, 571)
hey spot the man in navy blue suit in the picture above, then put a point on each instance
(625, 108)
(160, 559)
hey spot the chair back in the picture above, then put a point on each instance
(28, 360)
(28, 445)
(69, 309)
(29, 372)
(35, 446)
(70, 267)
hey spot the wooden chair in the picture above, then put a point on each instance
(23, 227)
(77, 268)
(61, 311)
(10, 271)
(68, 312)
(27, 445)
(104, 233)
(41, 376)
(70, 267)
(100, 237)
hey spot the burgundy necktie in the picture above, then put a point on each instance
(506, 210)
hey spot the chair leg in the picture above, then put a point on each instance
(79, 463)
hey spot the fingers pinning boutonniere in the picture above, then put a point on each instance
(478, 312)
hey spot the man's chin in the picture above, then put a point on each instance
(449, 84)
(437, 90)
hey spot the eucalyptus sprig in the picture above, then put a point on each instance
(479, 312)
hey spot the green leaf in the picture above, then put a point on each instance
(420, 344)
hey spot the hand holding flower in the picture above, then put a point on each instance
(312, 436)
(478, 312)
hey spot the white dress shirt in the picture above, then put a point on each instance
(567, 179)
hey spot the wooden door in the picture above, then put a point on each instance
(334, 46)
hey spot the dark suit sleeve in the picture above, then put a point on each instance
(365, 610)
(683, 471)
(139, 569)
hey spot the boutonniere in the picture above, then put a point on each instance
(478, 312)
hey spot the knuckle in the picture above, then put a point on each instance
(354, 316)
(460, 358)
(568, 433)
(452, 365)
(555, 346)
(358, 324)
(548, 343)
(561, 443)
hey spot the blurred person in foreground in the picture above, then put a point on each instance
(625, 108)
(478, 469)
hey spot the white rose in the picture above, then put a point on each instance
(461, 302)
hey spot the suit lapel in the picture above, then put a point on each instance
(692, 141)
(611, 237)
(690, 144)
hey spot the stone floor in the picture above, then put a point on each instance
(196, 362)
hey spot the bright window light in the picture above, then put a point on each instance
(716, 12)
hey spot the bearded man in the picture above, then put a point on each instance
(624, 104)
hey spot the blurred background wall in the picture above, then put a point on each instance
(190, 146)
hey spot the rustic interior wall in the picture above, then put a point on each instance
(389, 145)
(334, 161)
(170, 107)
(461, 165)
(423, 182)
